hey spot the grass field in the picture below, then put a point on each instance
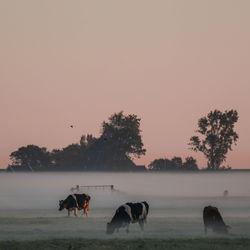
(119, 244)
(29, 216)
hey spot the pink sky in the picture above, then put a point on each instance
(77, 62)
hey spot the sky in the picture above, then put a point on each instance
(77, 62)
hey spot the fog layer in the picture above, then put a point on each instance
(29, 202)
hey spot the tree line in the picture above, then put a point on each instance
(32, 157)
(120, 141)
(175, 164)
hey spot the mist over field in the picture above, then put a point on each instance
(29, 203)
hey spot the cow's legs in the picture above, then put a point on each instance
(75, 211)
(86, 208)
(127, 230)
(141, 223)
(86, 211)
(68, 212)
(205, 229)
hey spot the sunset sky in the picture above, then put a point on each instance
(77, 62)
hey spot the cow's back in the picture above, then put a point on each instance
(139, 211)
(81, 198)
(213, 219)
(211, 214)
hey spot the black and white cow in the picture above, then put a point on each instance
(75, 202)
(129, 213)
(213, 220)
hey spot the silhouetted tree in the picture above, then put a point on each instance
(190, 164)
(68, 158)
(71, 157)
(123, 134)
(175, 164)
(216, 136)
(159, 164)
(87, 140)
(31, 156)
(120, 138)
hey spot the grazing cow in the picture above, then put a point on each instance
(213, 219)
(75, 202)
(128, 213)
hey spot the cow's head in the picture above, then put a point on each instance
(61, 205)
(110, 228)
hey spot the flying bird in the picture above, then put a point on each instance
(71, 126)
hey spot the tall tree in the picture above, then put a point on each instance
(123, 134)
(216, 136)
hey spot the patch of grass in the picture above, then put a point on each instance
(120, 244)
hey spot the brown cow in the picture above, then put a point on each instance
(75, 202)
(213, 219)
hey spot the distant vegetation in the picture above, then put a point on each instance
(121, 140)
(175, 164)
